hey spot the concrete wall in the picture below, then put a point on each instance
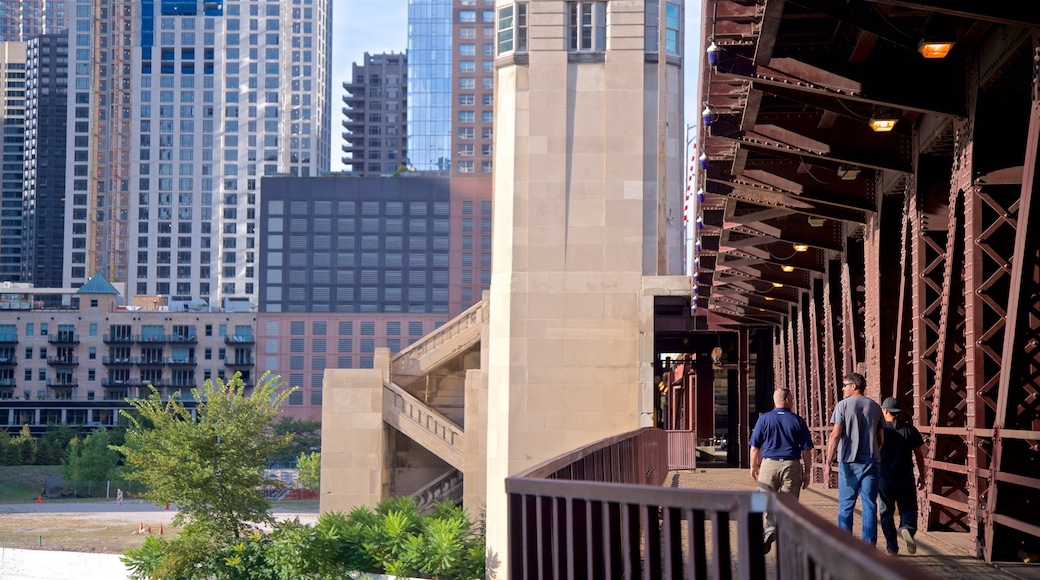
(353, 439)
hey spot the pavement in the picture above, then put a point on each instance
(947, 555)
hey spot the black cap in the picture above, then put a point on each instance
(891, 405)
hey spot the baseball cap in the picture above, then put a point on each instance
(891, 405)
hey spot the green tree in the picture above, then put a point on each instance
(92, 460)
(210, 465)
(305, 437)
(308, 470)
(26, 446)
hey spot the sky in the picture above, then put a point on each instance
(375, 26)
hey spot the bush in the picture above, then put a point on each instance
(393, 539)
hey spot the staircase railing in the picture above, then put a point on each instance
(447, 486)
(403, 410)
(472, 318)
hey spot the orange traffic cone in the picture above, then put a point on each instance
(149, 529)
(39, 498)
(167, 506)
(140, 528)
(160, 529)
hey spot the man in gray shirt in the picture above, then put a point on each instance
(855, 442)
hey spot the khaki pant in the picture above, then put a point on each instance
(782, 476)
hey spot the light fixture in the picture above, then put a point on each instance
(700, 195)
(800, 247)
(704, 160)
(700, 222)
(770, 298)
(713, 54)
(882, 124)
(706, 116)
(817, 222)
(847, 173)
(777, 285)
(697, 245)
(934, 48)
(787, 268)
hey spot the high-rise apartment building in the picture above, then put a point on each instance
(177, 109)
(375, 111)
(43, 189)
(25, 19)
(12, 117)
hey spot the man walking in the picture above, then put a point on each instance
(780, 454)
(903, 442)
(855, 442)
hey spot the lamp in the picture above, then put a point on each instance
(700, 222)
(817, 222)
(847, 173)
(934, 48)
(882, 124)
(770, 298)
(777, 285)
(713, 54)
(800, 247)
(706, 116)
(700, 195)
(786, 268)
(703, 160)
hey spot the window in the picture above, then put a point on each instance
(587, 26)
(467, 15)
(671, 23)
(512, 28)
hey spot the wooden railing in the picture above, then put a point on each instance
(600, 512)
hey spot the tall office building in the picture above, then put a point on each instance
(451, 65)
(25, 19)
(375, 114)
(43, 190)
(178, 107)
(12, 117)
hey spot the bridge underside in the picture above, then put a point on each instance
(824, 247)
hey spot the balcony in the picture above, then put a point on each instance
(8, 360)
(63, 361)
(7, 383)
(117, 339)
(183, 362)
(150, 361)
(63, 338)
(601, 512)
(120, 383)
(239, 340)
(181, 384)
(183, 339)
(239, 361)
(150, 339)
(8, 338)
(65, 383)
(117, 361)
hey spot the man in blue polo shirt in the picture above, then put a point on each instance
(781, 452)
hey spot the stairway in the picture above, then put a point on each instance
(442, 344)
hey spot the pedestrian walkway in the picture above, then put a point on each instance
(944, 554)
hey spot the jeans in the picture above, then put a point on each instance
(859, 479)
(901, 496)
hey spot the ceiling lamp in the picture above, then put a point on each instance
(817, 222)
(882, 124)
(847, 173)
(787, 268)
(777, 285)
(770, 298)
(934, 48)
(800, 247)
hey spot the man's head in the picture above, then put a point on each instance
(890, 407)
(782, 398)
(853, 384)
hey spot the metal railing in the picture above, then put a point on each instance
(600, 512)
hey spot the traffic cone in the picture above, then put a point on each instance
(160, 529)
(140, 528)
(167, 506)
(149, 529)
(39, 498)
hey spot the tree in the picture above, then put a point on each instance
(308, 470)
(26, 446)
(305, 437)
(210, 465)
(92, 460)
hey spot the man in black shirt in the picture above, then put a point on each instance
(902, 443)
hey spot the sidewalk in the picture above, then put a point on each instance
(944, 554)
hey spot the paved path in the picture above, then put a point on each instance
(944, 554)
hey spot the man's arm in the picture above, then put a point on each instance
(920, 466)
(806, 467)
(756, 461)
(832, 443)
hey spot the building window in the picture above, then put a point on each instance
(512, 28)
(587, 26)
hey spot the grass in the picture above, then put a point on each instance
(22, 483)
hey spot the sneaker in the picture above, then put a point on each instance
(768, 543)
(911, 545)
(891, 552)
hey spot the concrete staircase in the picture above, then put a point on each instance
(445, 487)
(421, 422)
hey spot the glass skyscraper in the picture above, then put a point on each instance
(429, 84)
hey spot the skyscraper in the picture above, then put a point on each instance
(25, 19)
(43, 190)
(178, 107)
(375, 115)
(12, 117)
(429, 84)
